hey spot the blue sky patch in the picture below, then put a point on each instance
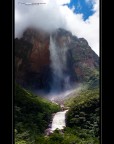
(82, 7)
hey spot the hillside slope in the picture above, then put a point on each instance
(83, 117)
(32, 115)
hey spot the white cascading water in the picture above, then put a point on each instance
(58, 64)
(67, 82)
(59, 120)
(60, 76)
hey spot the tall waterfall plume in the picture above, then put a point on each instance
(58, 57)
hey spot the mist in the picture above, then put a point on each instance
(45, 16)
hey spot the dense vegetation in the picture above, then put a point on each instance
(32, 115)
(83, 116)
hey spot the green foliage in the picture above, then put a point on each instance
(93, 81)
(83, 116)
(82, 121)
(78, 135)
(32, 115)
(70, 136)
(83, 96)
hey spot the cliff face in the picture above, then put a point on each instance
(39, 56)
(80, 57)
(33, 62)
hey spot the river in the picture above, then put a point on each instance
(58, 121)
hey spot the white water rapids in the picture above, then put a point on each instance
(59, 120)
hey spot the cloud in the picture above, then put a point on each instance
(45, 16)
(53, 15)
(63, 2)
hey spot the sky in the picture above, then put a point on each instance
(81, 17)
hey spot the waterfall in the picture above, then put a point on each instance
(60, 78)
(67, 82)
(59, 120)
(55, 65)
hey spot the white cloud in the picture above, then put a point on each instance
(53, 15)
(63, 2)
